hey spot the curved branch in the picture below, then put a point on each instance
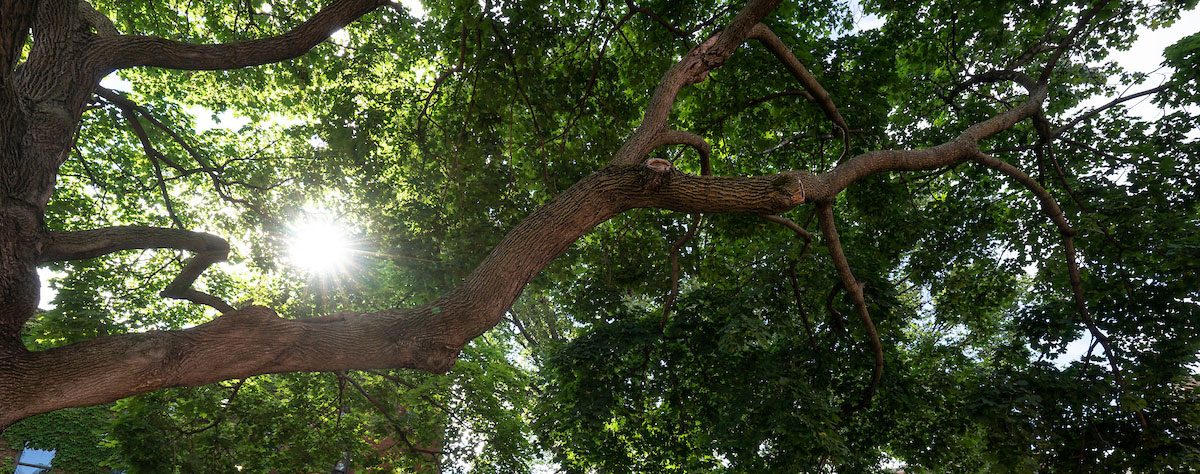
(256, 340)
(836, 321)
(807, 237)
(120, 52)
(812, 339)
(129, 111)
(680, 137)
(810, 84)
(827, 185)
(704, 149)
(209, 249)
(1054, 212)
(1092, 113)
(854, 289)
(790, 224)
(707, 56)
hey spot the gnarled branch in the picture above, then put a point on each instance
(1054, 212)
(694, 67)
(255, 340)
(681, 137)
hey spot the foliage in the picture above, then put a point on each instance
(76, 435)
(432, 136)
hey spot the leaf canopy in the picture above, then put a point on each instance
(432, 136)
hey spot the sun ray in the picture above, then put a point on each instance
(321, 246)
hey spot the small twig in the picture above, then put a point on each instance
(383, 410)
(752, 103)
(836, 320)
(674, 259)
(1092, 113)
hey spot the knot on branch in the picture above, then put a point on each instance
(656, 172)
(702, 61)
(791, 186)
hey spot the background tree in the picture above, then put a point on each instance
(543, 170)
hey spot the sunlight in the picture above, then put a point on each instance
(320, 246)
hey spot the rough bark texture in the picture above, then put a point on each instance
(40, 105)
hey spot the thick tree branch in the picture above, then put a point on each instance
(256, 341)
(120, 52)
(680, 137)
(209, 249)
(14, 30)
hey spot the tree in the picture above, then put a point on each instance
(952, 139)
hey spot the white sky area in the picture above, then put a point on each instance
(1146, 56)
(414, 8)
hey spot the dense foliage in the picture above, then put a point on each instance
(430, 135)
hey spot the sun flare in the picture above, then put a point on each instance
(320, 246)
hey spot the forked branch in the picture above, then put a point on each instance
(209, 249)
(255, 340)
(693, 68)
